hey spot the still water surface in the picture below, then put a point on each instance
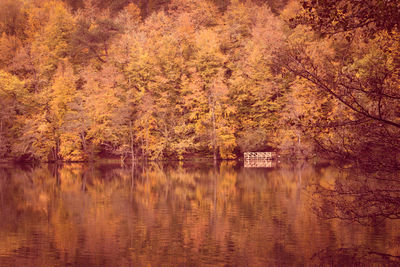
(185, 215)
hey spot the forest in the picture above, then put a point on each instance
(174, 79)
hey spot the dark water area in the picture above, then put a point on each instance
(197, 215)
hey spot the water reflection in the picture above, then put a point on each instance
(259, 163)
(185, 214)
(367, 198)
(354, 256)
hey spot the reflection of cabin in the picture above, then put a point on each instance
(259, 159)
(259, 155)
(258, 164)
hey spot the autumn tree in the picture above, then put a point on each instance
(354, 70)
(43, 135)
(92, 36)
(328, 17)
(97, 105)
(52, 41)
(12, 18)
(14, 100)
(256, 92)
(9, 45)
(166, 79)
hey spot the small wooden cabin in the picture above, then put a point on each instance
(259, 155)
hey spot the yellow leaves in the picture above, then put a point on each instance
(51, 42)
(207, 42)
(377, 59)
(226, 142)
(93, 27)
(291, 10)
(8, 48)
(196, 14)
(238, 18)
(13, 102)
(43, 127)
(42, 147)
(62, 93)
(209, 59)
(134, 12)
(229, 110)
(183, 80)
(70, 148)
(11, 86)
(185, 28)
(12, 17)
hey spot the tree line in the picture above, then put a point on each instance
(168, 79)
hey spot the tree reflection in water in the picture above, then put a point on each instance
(355, 256)
(357, 196)
(181, 214)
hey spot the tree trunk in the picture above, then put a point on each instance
(214, 136)
(147, 140)
(131, 144)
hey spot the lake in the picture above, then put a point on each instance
(197, 214)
